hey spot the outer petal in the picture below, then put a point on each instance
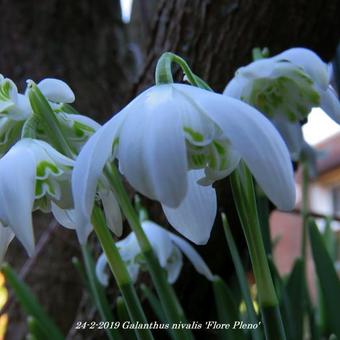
(193, 256)
(152, 152)
(56, 90)
(160, 241)
(112, 211)
(101, 273)
(236, 87)
(329, 102)
(17, 185)
(195, 215)
(257, 141)
(65, 217)
(6, 236)
(87, 170)
(291, 134)
(310, 62)
(174, 266)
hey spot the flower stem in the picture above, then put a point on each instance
(42, 109)
(120, 273)
(304, 208)
(168, 298)
(244, 195)
(163, 74)
(98, 293)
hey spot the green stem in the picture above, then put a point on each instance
(120, 273)
(98, 294)
(168, 298)
(304, 209)
(241, 276)
(244, 195)
(163, 74)
(42, 109)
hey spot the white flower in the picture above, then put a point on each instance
(168, 248)
(172, 141)
(15, 109)
(285, 88)
(32, 174)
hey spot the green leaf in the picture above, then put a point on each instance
(36, 330)
(329, 281)
(295, 293)
(123, 315)
(98, 294)
(227, 310)
(30, 304)
(154, 303)
(241, 276)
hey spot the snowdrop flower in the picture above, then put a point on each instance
(168, 248)
(172, 142)
(285, 88)
(32, 174)
(15, 109)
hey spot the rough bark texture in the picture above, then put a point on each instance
(106, 63)
(216, 37)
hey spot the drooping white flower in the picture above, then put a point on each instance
(15, 109)
(32, 174)
(285, 88)
(168, 248)
(172, 142)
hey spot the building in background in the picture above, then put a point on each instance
(324, 201)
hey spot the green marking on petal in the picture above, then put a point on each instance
(45, 167)
(219, 148)
(196, 136)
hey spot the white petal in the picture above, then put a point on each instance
(329, 102)
(133, 269)
(112, 211)
(257, 141)
(51, 152)
(56, 90)
(152, 151)
(6, 236)
(87, 170)
(174, 266)
(128, 247)
(291, 134)
(194, 257)
(101, 268)
(160, 241)
(310, 62)
(196, 214)
(237, 86)
(84, 120)
(65, 217)
(17, 188)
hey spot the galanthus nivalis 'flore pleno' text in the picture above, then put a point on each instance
(172, 142)
(285, 88)
(168, 248)
(32, 174)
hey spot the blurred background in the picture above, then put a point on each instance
(106, 51)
